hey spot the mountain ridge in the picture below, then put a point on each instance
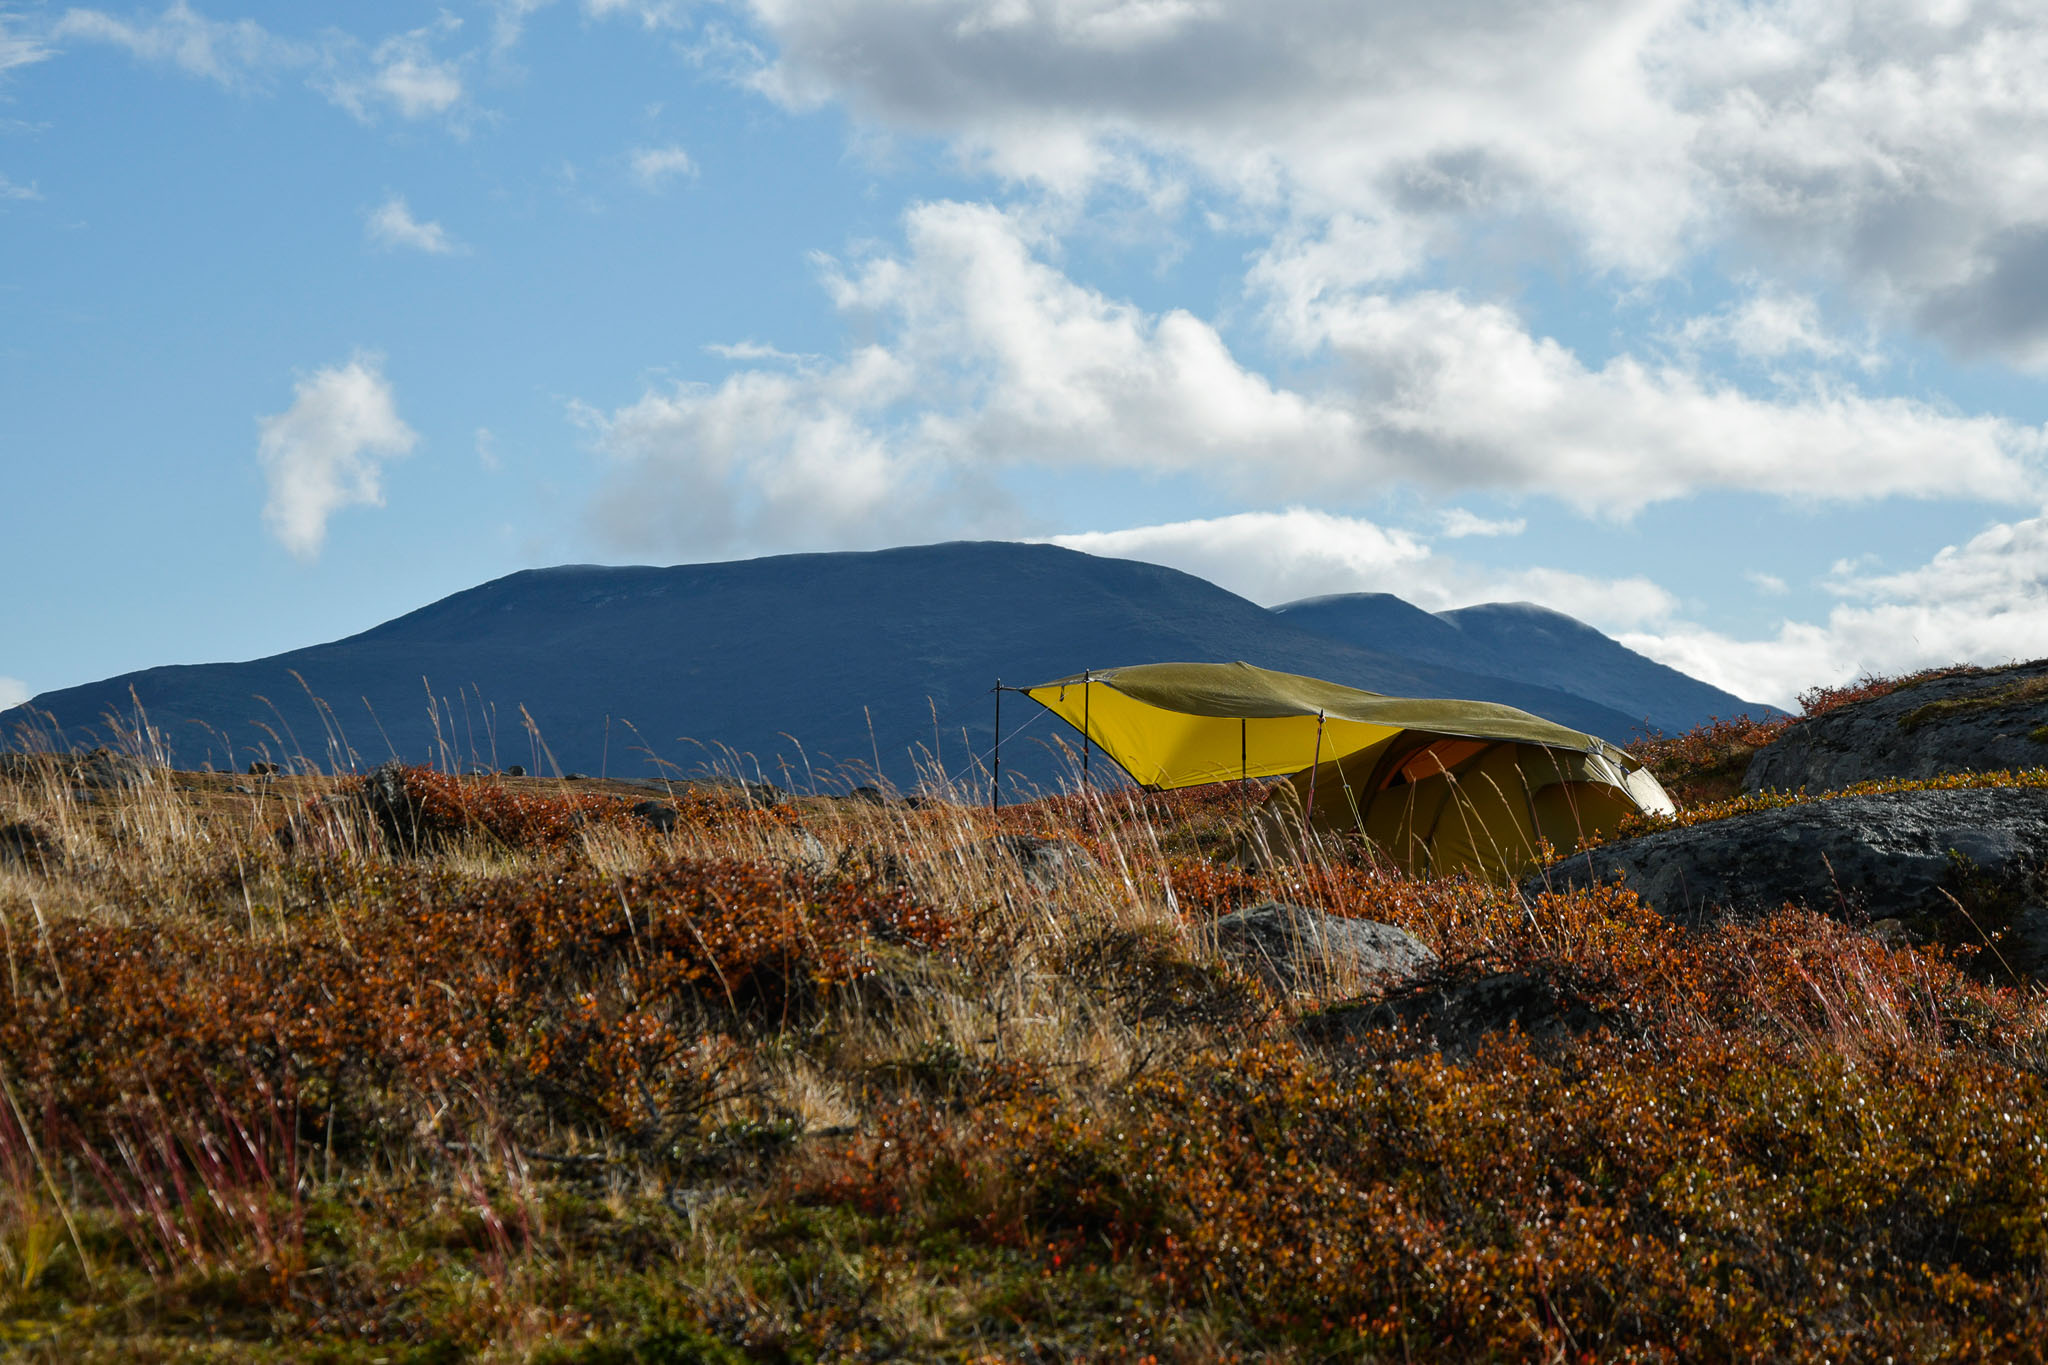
(796, 660)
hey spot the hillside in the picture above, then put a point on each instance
(1525, 641)
(830, 659)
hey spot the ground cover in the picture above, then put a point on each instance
(839, 1079)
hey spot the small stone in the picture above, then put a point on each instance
(515, 771)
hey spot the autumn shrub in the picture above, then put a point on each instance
(1724, 1200)
(603, 1000)
(444, 806)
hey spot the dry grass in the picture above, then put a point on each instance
(833, 1080)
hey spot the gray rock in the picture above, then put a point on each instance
(515, 770)
(1047, 863)
(810, 858)
(1885, 856)
(384, 797)
(1962, 722)
(658, 816)
(261, 769)
(1292, 945)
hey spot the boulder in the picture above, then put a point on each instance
(1292, 946)
(1892, 856)
(658, 816)
(384, 798)
(1964, 721)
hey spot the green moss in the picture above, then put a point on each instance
(2039, 734)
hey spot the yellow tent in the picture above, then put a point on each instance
(1439, 786)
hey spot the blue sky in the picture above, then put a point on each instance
(1718, 325)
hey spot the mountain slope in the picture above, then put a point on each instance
(1524, 641)
(831, 659)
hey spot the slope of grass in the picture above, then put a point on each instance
(836, 1081)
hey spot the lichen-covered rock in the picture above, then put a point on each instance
(1897, 856)
(1292, 946)
(1969, 720)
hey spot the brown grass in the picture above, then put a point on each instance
(829, 1080)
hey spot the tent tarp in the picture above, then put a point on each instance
(1439, 785)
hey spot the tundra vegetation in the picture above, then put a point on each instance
(840, 1079)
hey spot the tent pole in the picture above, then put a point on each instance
(995, 785)
(1310, 809)
(1087, 694)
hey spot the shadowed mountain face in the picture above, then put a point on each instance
(1524, 641)
(828, 660)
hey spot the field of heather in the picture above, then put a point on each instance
(839, 1079)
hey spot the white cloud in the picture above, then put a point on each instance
(327, 451)
(754, 350)
(13, 692)
(1460, 395)
(18, 49)
(654, 167)
(1772, 325)
(487, 450)
(402, 74)
(228, 53)
(10, 190)
(1984, 602)
(987, 358)
(1274, 557)
(1891, 147)
(1767, 582)
(1458, 522)
(392, 226)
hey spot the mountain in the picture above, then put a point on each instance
(827, 659)
(1522, 640)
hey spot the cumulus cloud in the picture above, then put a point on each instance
(392, 226)
(13, 692)
(987, 358)
(1461, 395)
(654, 167)
(229, 53)
(327, 451)
(1889, 147)
(1984, 601)
(10, 190)
(1274, 557)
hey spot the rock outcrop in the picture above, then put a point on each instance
(1909, 856)
(1969, 720)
